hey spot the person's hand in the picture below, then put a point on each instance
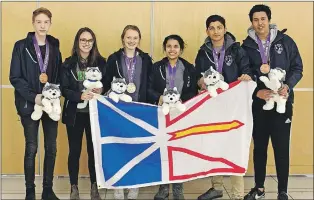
(160, 101)
(97, 90)
(201, 84)
(284, 91)
(265, 94)
(38, 99)
(244, 77)
(87, 96)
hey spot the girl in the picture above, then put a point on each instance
(134, 65)
(84, 54)
(172, 71)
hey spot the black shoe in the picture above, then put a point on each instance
(30, 194)
(212, 193)
(255, 193)
(282, 196)
(48, 194)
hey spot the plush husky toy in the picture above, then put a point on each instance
(171, 99)
(92, 80)
(118, 88)
(214, 80)
(274, 82)
(51, 103)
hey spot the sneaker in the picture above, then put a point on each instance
(133, 193)
(163, 192)
(94, 194)
(282, 196)
(212, 193)
(255, 193)
(177, 190)
(118, 194)
(74, 193)
(30, 194)
(48, 194)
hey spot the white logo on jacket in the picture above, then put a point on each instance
(278, 48)
(228, 60)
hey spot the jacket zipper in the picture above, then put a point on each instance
(25, 106)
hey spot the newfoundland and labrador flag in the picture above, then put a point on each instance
(135, 145)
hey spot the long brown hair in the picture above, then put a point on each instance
(94, 53)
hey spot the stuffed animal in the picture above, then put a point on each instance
(274, 81)
(171, 99)
(118, 88)
(50, 103)
(92, 80)
(214, 80)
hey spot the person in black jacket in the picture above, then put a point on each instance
(84, 54)
(172, 71)
(130, 63)
(278, 50)
(35, 61)
(234, 66)
(134, 65)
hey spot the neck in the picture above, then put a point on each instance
(84, 54)
(173, 61)
(263, 36)
(129, 52)
(218, 43)
(41, 39)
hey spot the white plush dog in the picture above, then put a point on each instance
(214, 80)
(118, 88)
(92, 80)
(171, 99)
(274, 82)
(51, 103)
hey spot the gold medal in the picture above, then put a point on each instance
(131, 88)
(265, 68)
(43, 78)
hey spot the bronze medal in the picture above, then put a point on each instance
(43, 78)
(265, 68)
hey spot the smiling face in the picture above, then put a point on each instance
(41, 24)
(173, 49)
(131, 39)
(86, 42)
(260, 23)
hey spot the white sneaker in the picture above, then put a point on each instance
(133, 193)
(118, 194)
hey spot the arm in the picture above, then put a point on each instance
(152, 95)
(16, 78)
(108, 74)
(71, 95)
(294, 74)
(243, 63)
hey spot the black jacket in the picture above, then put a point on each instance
(70, 87)
(157, 82)
(25, 72)
(236, 61)
(114, 68)
(284, 54)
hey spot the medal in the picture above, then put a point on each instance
(219, 62)
(43, 78)
(131, 88)
(265, 68)
(43, 64)
(264, 53)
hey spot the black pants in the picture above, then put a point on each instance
(75, 136)
(277, 127)
(50, 128)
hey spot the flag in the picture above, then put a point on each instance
(136, 145)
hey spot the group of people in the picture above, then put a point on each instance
(37, 60)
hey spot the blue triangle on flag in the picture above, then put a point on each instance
(147, 113)
(147, 171)
(116, 155)
(112, 123)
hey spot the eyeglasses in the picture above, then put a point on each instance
(84, 41)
